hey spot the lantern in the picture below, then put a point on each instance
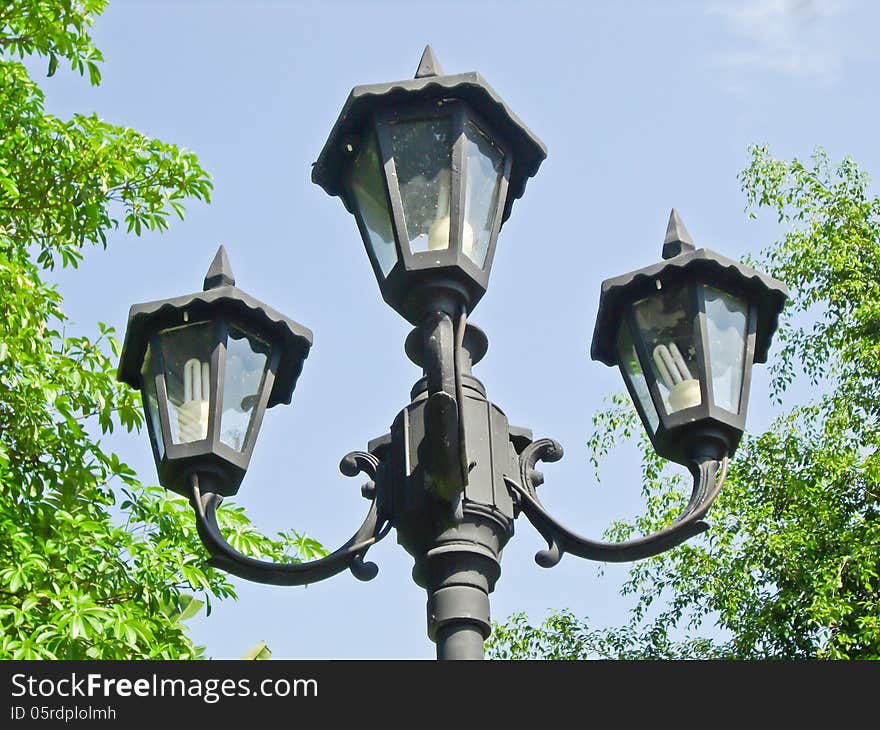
(430, 168)
(685, 333)
(208, 365)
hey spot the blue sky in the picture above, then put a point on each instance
(643, 106)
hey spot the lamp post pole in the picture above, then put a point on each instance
(430, 168)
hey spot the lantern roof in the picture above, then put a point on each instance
(220, 298)
(703, 264)
(429, 84)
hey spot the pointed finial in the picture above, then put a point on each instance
(220, 272)
(678, 240)
(428, 66)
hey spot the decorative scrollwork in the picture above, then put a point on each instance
(349, 556)
(560, 540)
(546, 450)
(355, 462)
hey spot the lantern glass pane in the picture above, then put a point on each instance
(422, 152)
(485, 166)
(368, 191)
(246, 360)
(186, 355)
(632, 371)
(666, 325)
(151, 402)
(727, 328)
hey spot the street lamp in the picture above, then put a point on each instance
(430, 168)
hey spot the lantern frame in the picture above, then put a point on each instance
(450, 267)
(210, 454)
(670, 437)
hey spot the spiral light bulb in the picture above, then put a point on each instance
(684, 389)
(193, 412)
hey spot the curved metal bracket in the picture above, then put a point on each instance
(350, 555)
(561, 540)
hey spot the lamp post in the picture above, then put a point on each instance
(430, 168)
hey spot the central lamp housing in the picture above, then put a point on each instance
(430, 168)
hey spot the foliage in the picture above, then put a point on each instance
(259, 653)
(790, 566)
(563, 636)
(76, 581)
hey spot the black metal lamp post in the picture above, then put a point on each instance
(430, 169)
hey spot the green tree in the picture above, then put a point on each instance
(76, 581)
(790, 566)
